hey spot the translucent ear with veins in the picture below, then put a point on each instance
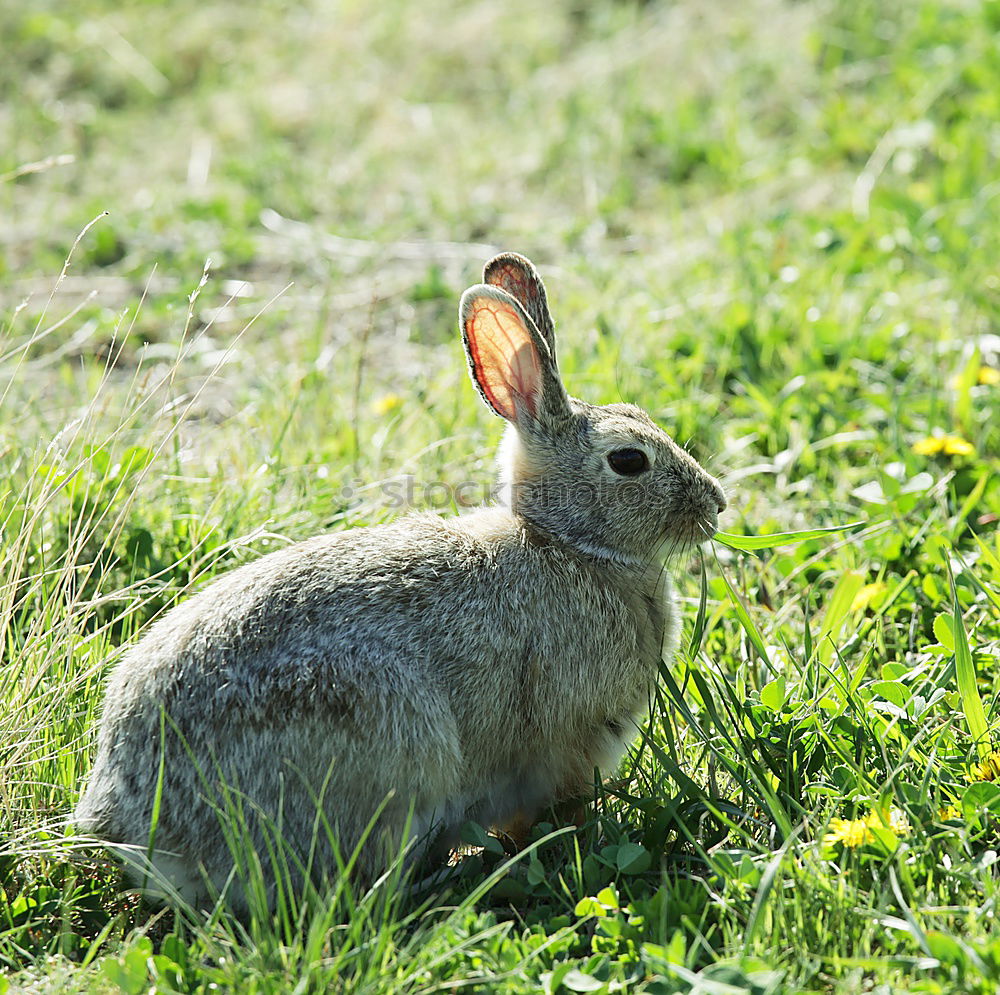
(510, 362)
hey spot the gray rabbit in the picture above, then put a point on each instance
(401, 679)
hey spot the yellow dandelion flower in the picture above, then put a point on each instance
(928, 447)
(387, 404)
(986, 376)
(987, 769)
(950, 445)
(949, 813)
(853, 833)
(955, 445)
(850, 832)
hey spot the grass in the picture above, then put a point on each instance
(776, 228)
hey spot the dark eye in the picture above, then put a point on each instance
(628, 462)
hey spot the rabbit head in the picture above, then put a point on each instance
(605, 480)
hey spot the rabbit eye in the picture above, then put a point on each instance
(628, 462)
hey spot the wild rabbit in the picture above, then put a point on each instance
(401, 679)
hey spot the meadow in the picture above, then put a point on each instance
(232, 242)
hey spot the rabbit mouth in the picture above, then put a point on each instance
(684, 532)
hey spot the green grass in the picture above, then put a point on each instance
(776, 228)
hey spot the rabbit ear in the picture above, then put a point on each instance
(509, 360)
(520, 279)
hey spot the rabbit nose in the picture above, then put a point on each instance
(720, 496)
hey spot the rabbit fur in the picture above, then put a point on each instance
(401, 679)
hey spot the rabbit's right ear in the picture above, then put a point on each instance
(510, 362)
(515, 274)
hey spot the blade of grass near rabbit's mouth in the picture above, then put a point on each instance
(747, 543)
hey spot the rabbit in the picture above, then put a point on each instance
(387, 684)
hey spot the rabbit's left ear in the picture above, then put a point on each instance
(510, 362)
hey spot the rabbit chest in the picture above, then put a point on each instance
(546, 658)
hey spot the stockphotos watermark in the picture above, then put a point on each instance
(407, 491)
